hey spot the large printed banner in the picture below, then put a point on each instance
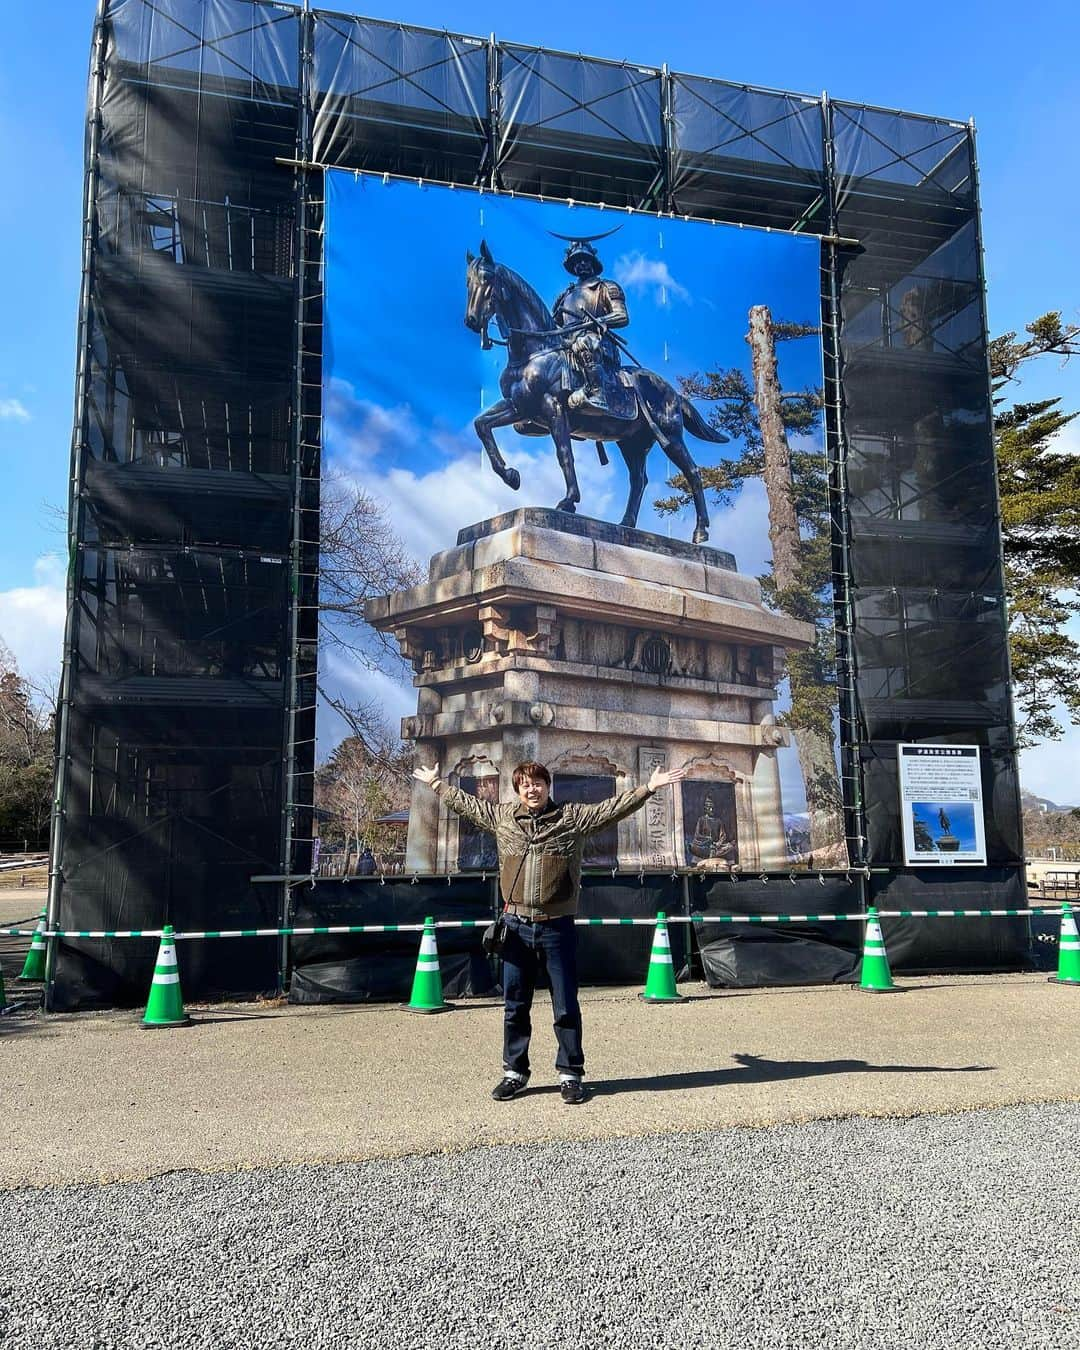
(598, 436)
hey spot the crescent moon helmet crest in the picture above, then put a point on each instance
(584, 238)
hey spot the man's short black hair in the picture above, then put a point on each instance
(530, 769)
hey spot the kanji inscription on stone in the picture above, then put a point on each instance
(658, 839)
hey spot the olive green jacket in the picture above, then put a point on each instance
(540, 855)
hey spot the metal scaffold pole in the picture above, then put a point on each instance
(836, 445)
(78, 441)
(298, 530)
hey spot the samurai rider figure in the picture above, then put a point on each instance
(589, 309)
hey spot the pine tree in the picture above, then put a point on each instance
(799, 580)
(1039, 488)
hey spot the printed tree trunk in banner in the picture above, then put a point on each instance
(815, 745)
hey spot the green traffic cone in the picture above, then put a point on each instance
(165, 1006)
(660, 981)
(427, 996)
(34, 965)
(1068, 949)
(876, 975)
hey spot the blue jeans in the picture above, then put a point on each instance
(530, 948)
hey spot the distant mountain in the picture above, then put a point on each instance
(1029, 802)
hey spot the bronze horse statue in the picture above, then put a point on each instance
(535, 388)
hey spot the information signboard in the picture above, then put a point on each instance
(942, 806)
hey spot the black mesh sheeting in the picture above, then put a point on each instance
(752, 955)
(750, 156)
(400, 100)
(621, 955)
(930, 639)
(170, 810)
(917, 946)
(179, 637)
(569, 126)
(373, 967)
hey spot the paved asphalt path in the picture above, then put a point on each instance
(948, 1231)
(94, 1098)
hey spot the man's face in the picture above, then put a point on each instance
(583, 266)
(534, 792)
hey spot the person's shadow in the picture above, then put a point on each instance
(755, 1069)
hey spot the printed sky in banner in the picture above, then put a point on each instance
(406, 378)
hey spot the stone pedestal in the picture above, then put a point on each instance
(601, 652)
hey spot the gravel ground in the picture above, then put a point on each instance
(953, 1231)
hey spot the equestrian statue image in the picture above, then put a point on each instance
(564, 377)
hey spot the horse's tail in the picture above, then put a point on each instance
(696, 425)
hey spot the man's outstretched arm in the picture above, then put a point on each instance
(592, 818)
(482, 814)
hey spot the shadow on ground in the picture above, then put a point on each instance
(754, 1069)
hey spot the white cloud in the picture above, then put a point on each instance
(358, 430)
(32, 619)
(428, 508)
(635, 272)
(355, 683)
(13, 410)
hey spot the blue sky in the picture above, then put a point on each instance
(1015, 71)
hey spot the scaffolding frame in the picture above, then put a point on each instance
(230, 234)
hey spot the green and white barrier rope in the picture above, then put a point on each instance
(342, 929)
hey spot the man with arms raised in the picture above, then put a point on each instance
(540, 842)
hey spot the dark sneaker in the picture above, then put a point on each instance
(572, 1092)
(509, 1087)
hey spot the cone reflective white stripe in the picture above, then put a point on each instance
(874, 944)
(429, 953)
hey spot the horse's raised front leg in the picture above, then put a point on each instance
(555, 416)
(500, 414)
(682, 459)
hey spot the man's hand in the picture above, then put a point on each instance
(428, 776)
(662, 777)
